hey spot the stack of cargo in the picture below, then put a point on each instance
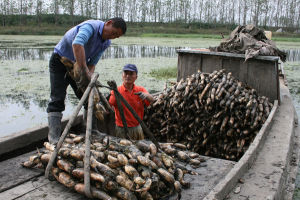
(212, 114)
(120, 169)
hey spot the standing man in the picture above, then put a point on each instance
(137, 97)
(83, 44)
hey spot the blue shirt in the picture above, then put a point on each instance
(87, 34)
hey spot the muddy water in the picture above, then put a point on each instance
(24, 77)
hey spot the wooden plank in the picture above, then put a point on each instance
(231, 55)
(188, 65)
(211, 63)
(233, 66)
(211, 172)
(13, 174)
(24, 188)
(41, 188)
(243, 73)
(262, 76)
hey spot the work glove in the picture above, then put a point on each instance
(142, 95)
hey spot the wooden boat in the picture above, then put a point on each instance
(266, 171)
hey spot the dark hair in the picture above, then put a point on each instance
(119, 22)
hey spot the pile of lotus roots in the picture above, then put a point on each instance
(120, 168)
(212, 114)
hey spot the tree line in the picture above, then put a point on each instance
(272, 13)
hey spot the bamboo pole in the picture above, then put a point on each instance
(120, 107)
(105, 102)
(111, 113)
(69, 125)
(87, 154)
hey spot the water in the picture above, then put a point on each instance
(120, 51)
(116, 51)
(293, 55)
(25, 78)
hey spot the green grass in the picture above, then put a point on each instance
(154, 30)
(34, 30)
(286, 39)
(164, 73)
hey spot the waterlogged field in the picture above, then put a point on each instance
(25, 77)
(25, 88)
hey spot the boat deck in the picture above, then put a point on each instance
(17, 182)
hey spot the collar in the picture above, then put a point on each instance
(101, 30)
(133, 88)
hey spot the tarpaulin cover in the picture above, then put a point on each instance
(251, 41)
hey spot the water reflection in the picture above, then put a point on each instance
(25, 54)
(293, 55)
(122, 51)
(20, 115)
(125, 51)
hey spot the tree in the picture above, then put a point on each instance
(39, 6)
(245, 12)
(55, 11)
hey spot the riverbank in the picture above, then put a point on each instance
(156, 30)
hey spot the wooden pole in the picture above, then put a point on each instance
(87, 154)
(69, 125)
(121, 111)
(105, 102)
(109, 119)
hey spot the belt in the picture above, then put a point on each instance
(56, 55)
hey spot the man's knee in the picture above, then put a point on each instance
(56, 106)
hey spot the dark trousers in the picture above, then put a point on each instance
(59, 81)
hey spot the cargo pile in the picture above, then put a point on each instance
(120, 169)
(212, 114)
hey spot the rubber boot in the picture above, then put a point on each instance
(54, 123)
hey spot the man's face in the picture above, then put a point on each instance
(129, 77)
(110, 32)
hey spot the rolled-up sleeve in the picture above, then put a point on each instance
(83, 35)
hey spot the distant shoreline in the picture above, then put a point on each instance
(50, 25)
(143, 30)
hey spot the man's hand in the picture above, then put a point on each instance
(142, 95)
(82, 76)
